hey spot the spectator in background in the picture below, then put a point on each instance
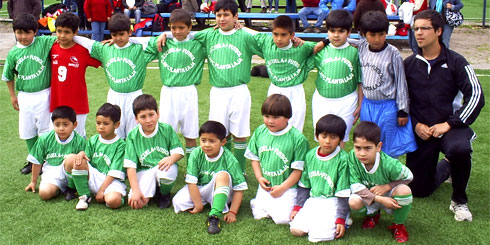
(84, 24)
(349, 5)
(313, 7)
(441, 6)
(15, 7)
(291, 6)
(134, 6)
(71, 5)
(98, 12)
(117, 6)
(365, 6)
(419, 6)
(263, 5)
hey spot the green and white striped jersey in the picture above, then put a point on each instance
(107, 156)
(50, 149)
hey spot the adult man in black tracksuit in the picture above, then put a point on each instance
(436, 78)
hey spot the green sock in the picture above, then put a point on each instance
(188, 151)
(80, 178)
(362, 211)
(228, 143)
(69, 178)
(166, 186)
(30, 143)
(401, 214)
(219, 200)
(239, 152)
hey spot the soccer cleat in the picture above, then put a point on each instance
(27, 168)
(164, 201)
(371, 221)
(83, 202)
(70, 194)
(461, 211)
(214, 225)
(399, 232)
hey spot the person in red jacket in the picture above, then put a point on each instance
(98, 12)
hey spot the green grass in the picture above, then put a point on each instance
(25, 219)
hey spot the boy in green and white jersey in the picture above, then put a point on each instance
(378, 181)
(321, 204)
(152, 152)
(27, 70)
(50, 152)
(277, 151)
(214, 177)
(99, 169)
(288, 66)
(124, 66)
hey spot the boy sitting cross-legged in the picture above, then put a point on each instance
(378, 181)
(214, 177)
(99, 169)
(152, 152)
(324, 185)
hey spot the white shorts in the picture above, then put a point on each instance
(149, 179)
(279, 209)
(125, 101)
(34, 116)
(296, 95)
(80, 129)
(343, 107)
(231, 107)
(96, 179)
(182, 200)
(317, 218)
(179, 107)
(55, 175)
(375, 206)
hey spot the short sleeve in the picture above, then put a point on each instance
(354, 175)
(252, 151)
(117, 162)
(8, 69)
(175, 145)
(237, 178)
(192, 175)
(38, 153)
(300, 150)
(342, 187)
(304, 181)
(130, 156)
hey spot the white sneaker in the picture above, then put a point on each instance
(461, 211)
(83, 202)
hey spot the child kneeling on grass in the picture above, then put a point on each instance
(324, 185)
(99, 169)
(378, 181)
(213, 176)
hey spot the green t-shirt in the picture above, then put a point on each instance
(326, 176)
(385, 170)
(229, 55)
(30, 64)
(279, 153)
(107, 156)
(201, 169)
(339, 71)
(50, 149)
(145, 151)
(287, 66)
(180, 62)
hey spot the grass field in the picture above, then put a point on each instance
(25, 219)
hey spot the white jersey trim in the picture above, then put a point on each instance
(129, 164)
(117, 174)
(241, 187)
(150, 135)
(283, 131)
(178, 150)
(299, 165)
(250, 155)
(330, 156)
(108, 142)
(190, 179)
(67, 140)
(31, 158)
(216, 158)
(375, 167)
(357, 187)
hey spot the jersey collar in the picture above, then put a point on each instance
(150, 135)
(285, 130)
(345, 45)
(376, 164)
(19, 45)
(108, 142)
(185, 40)
(330, 156)
(216, 158)
(290, 45)
(67, 140)
(123, 47)
(227, 33)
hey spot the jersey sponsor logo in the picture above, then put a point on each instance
(55, 155)
(295, 65)
(227, 47)
(371, 85)
(147, 152)
(326, 177)
(74, 62)
(54, 56)
(338, 60)
(30, 58)
(106, 159)
(119, 68)
(281, 155)
(179, 51)
(277, 172)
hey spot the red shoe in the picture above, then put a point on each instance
(399, 232)
(370, 221)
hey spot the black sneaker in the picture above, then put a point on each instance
(70, 194)
(27, 168)
(213, 223)
(164, 201)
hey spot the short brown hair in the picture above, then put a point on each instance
(369, 131)
(180, 15)
(277, 105)
(284, 22)
(144, 102)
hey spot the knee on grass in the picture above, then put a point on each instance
(48, 191)
(113, 200)
(297, 232)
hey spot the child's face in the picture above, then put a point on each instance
(180, 30)
(281, 37)
(63, 127)
(376, 40)
(65, 36)
(226, 20)
(366, 150)
(106, 127)
(275, 123)
(328, 143)
(210, 144)
(23, 37)
(121, 38)
(148, 119)
(338, 36)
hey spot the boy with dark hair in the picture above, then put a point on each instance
(339, 74)
(27, 71)
(124, 66)
(277, 151)
(99, 169)
(50, 151)
(214, 177)
(287, 66)
(152, 152)
(321, 204)
(378, 181)
(69, 62)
